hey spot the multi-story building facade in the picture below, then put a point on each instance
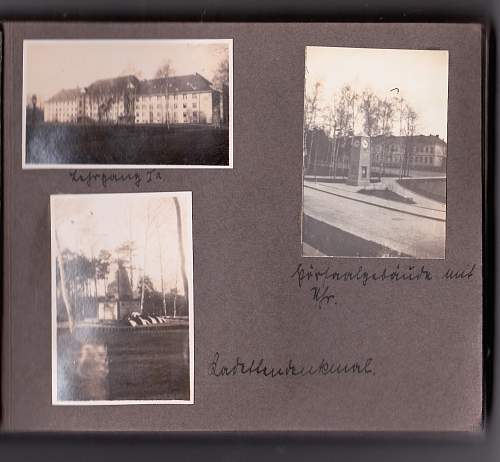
(419, 152)
(170, 100)
(327, 156)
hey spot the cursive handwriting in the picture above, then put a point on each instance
(323, 275)
(321, 281)
(460, 273)
(259, 367)
(137, 178)
(322, 296)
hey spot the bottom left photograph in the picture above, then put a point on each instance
(122, 299)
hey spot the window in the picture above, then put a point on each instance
(194, 105)
(432, 149)
(184, 105)
(184, 96)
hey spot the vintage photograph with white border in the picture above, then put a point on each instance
(122, 298)
(375, 153)
(131, 103)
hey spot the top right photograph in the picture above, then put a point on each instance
(375, 152)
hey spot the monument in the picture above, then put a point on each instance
(359, 164)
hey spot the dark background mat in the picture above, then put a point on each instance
(269, 447)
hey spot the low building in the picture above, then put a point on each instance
(327, 156)
(188, 99)
(420, 152)
(113, 310)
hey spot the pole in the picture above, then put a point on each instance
(145, 260)
(62, 273)
(181, 250)
(162, 286)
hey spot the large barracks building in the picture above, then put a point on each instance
(188, 99)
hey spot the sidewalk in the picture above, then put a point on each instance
(351, 192)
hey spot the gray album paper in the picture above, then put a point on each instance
(243, 227)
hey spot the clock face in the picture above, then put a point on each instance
(365, 143)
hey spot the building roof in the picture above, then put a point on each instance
(115, 86)
(65, 95)
(417, 138)
(118, 85)
(181, 83)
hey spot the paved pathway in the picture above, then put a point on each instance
(419, 236)
(424, 209)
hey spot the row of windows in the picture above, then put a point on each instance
(159, 114)
(419, 159)
(172, 97)
(427, 149)
(185, 118)
(160, 106)
(141, 99)
(397, 147)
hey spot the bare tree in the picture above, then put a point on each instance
(386, 117)
(345, 122)
(221, 75)
(64, 290)
(181, 250)
(311, 110)
(409, 127)
(165, 71)
(330, 124)
(369, 107)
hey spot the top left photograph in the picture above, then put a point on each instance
(127, 103)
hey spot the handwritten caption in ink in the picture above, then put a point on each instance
(320, 282)
(105, 179)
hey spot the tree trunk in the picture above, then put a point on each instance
(62, 273)
(181, 250)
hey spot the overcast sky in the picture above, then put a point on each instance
(420, 75)
(91, 222)
(56, 64)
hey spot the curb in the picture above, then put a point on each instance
(376, 205)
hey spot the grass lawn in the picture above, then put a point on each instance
(387, 194)
(126, 144)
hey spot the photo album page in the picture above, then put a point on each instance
(243, 227)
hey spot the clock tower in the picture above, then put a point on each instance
(359, 164)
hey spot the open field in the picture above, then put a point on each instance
(126, 144)
(132, 366)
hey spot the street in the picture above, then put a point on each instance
(414, 235)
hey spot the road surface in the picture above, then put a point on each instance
(409, 234)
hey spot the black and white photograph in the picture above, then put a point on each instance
(122, 299)
(127, 103)
(375, 153)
